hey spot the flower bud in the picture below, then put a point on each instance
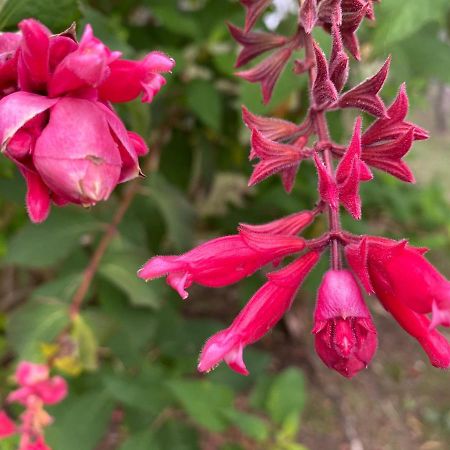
(346, 338)
(76, 155)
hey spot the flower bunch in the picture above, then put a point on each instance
(36, 389)
(57, 123)
(405, 283)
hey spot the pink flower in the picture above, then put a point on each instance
(56, 122)
(129, 79)
(34, 380)
(261, 313)
(346, 338)
(409, 287)
(7, 426)
(221, 261)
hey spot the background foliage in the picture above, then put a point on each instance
(132, 353)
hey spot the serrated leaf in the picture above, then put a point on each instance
(203, 401)
(48, 243)
(56, 15)
(286, 396)
(205, 102)
(37, 322)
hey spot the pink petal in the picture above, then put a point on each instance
(37, 197)
(17, 109)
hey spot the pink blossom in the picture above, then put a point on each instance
(7, 426)
(254, 10)
(56, 122)
(409, 287)
(34, 380)
(346, 338)
(261, 313)
(221, 261)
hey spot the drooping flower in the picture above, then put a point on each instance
(221, 261)
(56, 122)
(261, 313)
(409, 287)
(345, 336)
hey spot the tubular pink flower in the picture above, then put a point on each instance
(221, 261)
(262, 312)
(129, 79)
(345, 336)
(413, 280)
(417, 325)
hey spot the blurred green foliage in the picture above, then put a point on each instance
(132, 353)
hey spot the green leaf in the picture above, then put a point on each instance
(86, 343)
(144, 391)
(397, 20)
(251, 426)
(173, 19)
(80, 422)
(144, 440)
(203, 401)
(205, 102)
(38, 321)
(48, 243)
(178, 213)
(56, 15)
(120, 270)
(286, 396)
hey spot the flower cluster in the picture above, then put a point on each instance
(57, 123)
(405, 283)
(36, 389)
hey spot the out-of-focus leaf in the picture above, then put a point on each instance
(177, 211)
(203, 401)
(106, 28)
(176, 435)
(56, 15)
(205, 102)
(287, 395)
(251, 426)
(144, 391)
(120, 270)
(180, 23)
(48, 243)
(37, 322)
(86, 343)
(397, 20)
(144, 440)
(80, 421)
